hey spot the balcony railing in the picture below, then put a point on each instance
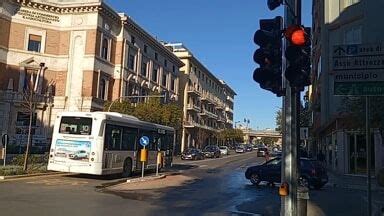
(228, 109)
(193, 91)
(193, 107)
(18, 97)
(229, 98)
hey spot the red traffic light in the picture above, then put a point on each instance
(297, 35)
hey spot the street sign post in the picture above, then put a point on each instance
(144, 141)
(4, 141)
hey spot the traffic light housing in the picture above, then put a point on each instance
(298, 55)
(269, 55)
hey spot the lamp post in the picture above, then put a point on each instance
(236, 123)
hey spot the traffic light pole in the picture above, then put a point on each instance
(291, 103)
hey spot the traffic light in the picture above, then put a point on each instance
(272, 4)
(269, 55)
(298, 55)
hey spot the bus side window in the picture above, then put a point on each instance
(129, 139)
(113, 135)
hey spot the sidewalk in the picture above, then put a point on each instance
(351, 181)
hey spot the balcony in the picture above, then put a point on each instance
(207, 98)
(228, 109)
(229, 98)
(208, 114)
(229, 121)
(221, 119)
(192, 107)
(193, 91)
(219, 106)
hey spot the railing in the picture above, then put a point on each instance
(193, 91)
(193, 107)
(228, 109)
(18, 97)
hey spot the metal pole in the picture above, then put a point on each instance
(290, 130)
(367, 138)
(5, 152)
(142, 167)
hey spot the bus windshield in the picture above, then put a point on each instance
(75, 125)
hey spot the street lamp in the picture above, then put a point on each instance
(236, 123)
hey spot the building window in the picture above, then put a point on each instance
(131, 62)
(133, 40)
(144, 68)
(154, 74)
(156, 56)
(104, 48)
(103, 89)
(165, 63)
(164, 80)
(173, 84)
(173, 69)
(145, 48)
(34, 43)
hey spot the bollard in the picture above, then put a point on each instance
(302, 199)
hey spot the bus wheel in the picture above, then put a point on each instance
(127, 169)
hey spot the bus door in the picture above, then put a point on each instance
(112, 147)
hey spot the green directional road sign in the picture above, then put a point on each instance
(359, 88)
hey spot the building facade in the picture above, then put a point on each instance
(207, 101)
(335, 132)
(78, 54)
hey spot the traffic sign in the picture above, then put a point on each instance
(358, 69)
(144, 141)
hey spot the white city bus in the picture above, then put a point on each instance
(103, 143)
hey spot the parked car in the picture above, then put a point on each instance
(248, 148)
(255, 147)
(240, 149)
(192, 154)
(312, 173)
(261, 152)
(211, 151)
(224, 150)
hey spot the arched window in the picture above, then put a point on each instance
(104, 48)
(102, 89)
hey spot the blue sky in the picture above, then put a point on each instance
(220, 35)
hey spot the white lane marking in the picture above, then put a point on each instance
(204, 165)
(244, 212)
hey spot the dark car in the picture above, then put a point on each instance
(211, 152)
(312, 173)
(261, 152)
(192, 154)
(248, 148)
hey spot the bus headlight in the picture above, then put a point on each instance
(92, 159)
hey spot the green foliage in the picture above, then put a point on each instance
(152, 111)
(232, 134)
(11, 170)
(32, 159)
(279, 119)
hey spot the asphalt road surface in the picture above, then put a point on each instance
(213, 187)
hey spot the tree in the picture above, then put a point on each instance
(231, 134)
(152, 111)
(279, 120)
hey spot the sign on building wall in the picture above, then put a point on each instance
(358, 69)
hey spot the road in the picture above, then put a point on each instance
(207, 187)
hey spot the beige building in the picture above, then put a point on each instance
(207, 101)
(83, 53)
(342, 22)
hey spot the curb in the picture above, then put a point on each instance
(3, 178)
(145, 179)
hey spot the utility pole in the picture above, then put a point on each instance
(291, 100)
